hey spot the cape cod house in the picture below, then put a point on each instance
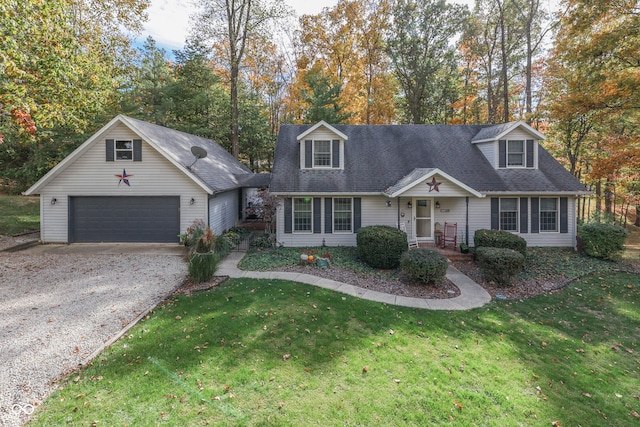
(133, 181)
(332, 180)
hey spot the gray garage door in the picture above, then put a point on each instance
(124, 219)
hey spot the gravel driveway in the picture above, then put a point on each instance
(58, 309)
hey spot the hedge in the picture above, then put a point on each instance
(381, 246)
(499, 265)
(424, 265)
(604, 241)
(499, 239)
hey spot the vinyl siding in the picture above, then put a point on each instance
(490, 151)
(445, 189)
(223, 211)
(375, 212)
(91, 175)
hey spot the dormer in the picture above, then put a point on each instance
(322, 147)
(510, 145)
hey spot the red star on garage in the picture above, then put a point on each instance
(433, 185)
(125, 178)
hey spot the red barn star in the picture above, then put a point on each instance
(433, 185)
(125, 178)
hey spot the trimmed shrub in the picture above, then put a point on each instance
(499, 239)
(263, 242)
(499, 265)
(381, 246)
(424, 265)
(604, 241)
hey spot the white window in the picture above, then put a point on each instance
(509, 214)
(124, 149)
(548, 214)
(322, 153)
(302, 214)
(515, 153)
(342, 215)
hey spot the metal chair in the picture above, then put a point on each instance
(450, 234)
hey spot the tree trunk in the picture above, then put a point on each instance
(235, 113)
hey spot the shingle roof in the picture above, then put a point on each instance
(378, 157)
(220, 171)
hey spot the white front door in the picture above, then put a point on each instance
(422, 214)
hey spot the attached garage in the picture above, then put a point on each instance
(124, 219)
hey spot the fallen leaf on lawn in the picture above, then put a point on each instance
(544, 344)
(365, 369)
(580, 350)
(395, 380)
(586, 394)
(556, 424)
(215, 398)
(281, 404)
(635, 414)
(286, 356)
(391, 332)
(618, 395)
(272, 378)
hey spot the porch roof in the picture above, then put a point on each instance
(418, 175)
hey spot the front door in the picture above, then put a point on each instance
(422, 219)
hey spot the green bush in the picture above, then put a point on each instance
(223, 246)
(263, 242)
(424, 265)
(499, 239)
(203, 261)
(604, 241)
(499, 265)
(381, 246)
(203, 266)
(193, 233)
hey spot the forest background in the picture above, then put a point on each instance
(67, 67)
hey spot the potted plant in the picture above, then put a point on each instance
(464, 246)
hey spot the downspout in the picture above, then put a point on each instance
(467, 222)
(398, 222)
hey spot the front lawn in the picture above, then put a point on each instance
(19, 214)
(270, 352)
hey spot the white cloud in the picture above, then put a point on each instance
(168, 22)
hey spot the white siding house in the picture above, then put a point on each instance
(137, 182)
(332, 180)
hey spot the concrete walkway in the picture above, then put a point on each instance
(471, 295)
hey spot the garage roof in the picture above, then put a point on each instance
(216, 173)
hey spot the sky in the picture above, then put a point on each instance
(168, 20)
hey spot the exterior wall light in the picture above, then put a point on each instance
(192, 201)
(54, 201)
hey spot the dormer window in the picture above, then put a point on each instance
(515, 153)
(321, 154)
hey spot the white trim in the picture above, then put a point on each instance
(436, 171)
(333, 216)
(323, 124)
(515, 125)
(98, 136)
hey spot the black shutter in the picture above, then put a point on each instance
(535, 215)
(328, 215)
(495, 213)
(564, 215)
(502, 153)
(530, 146)
(110, 149)
(288, 215)
(137, 150)
(317, 215)
(524, 215)
(357, 213)
(336, 153)
(308, 154)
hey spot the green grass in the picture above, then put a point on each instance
(262, 353)
(19, 214)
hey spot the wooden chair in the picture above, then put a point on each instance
(450, 234)
(413, 241)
